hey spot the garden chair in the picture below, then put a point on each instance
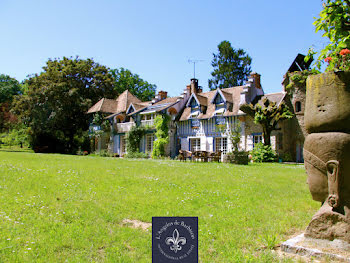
(183, 155)
(196, 155)
(216, 157)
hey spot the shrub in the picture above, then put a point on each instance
(263, 153)
(236, 157)
(136, 155)
(287, 157)
(81, 152)
(17, 136)
(104, 153)
(159, 147)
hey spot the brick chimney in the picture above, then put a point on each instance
(256, 77)
(194, 86)
(162, 95)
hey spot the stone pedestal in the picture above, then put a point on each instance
(336, 250)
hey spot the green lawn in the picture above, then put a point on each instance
(61, 208)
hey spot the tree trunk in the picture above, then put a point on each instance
(267, 137)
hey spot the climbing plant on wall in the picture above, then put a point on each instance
(133, 138)
(99, 120)
(161, 123)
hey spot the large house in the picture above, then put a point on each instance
(196, 116)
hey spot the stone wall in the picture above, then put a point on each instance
(251, 127)
(294, 131)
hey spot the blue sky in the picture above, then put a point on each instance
(155, 39)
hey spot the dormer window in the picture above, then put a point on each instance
(194, 114)
(218, 100)
(194, 105)
(130, 109)
(220, 105)
(219, 111)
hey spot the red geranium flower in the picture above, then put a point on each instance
(328, 59)
(344, 52)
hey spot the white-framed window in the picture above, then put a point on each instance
(194, 114)
(122, 144)
(257, 138)
(149, 142)
(219, 112)
(221, 144)
(147, 117)
(194, 105)
(195, 144)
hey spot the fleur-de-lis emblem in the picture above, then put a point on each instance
(175, 241)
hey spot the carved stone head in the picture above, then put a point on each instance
(327, 163)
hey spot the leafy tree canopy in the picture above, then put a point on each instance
(231, 67)
(126, 80)
(267, 115)
(55, 103)
(9, 87)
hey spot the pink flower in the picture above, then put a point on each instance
(328, 59)
(344, 52)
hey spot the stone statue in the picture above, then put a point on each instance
(327, 153)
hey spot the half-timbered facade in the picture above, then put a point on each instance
(199, 120)
(208, 116)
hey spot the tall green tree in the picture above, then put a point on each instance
(9, 87)
(231, 67)
(267, 115)
(126, 80)
(55, 103)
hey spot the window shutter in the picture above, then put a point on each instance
(116, 144)
(210, 144)
(249, 142)
(184, 144)
(142, 144)
(203, 143)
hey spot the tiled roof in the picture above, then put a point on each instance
(125, 99)
(119, 105)
(275, 97)
(158, 106)
(227, 95)
(105, 106)
(232, 95)
(167, 100)
(203, 100)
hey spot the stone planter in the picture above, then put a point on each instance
(327, 105)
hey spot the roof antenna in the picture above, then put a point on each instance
(194, 61)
